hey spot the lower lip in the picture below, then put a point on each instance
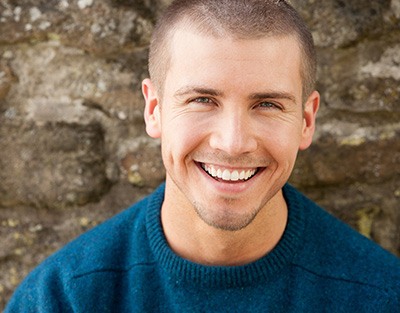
(230, 187)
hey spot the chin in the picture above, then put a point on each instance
(225, 218)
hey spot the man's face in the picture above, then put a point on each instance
(231, 123)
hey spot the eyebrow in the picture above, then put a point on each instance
(197, 90)
(273, 95)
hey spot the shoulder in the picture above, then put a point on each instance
(96, 258)
(115, 243)
(115, 246)
(333, 250)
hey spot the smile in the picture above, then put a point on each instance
(229, 175)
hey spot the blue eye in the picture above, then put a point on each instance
(202, 100)
(268, 105)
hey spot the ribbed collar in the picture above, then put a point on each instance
(226, 276)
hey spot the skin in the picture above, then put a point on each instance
(232, 105)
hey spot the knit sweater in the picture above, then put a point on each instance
(126, 265)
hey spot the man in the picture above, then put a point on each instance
(231, 97)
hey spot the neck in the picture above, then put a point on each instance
(193, 239)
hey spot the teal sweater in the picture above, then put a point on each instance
(126, 265)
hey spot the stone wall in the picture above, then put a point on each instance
(73, 150)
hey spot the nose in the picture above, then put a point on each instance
(233, 134)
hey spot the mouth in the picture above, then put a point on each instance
(229, 175)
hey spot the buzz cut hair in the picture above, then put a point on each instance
(239, 19)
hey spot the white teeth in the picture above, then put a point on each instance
(228, 175)
(235, 175)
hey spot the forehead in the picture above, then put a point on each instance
(266, 63)
(189, 40)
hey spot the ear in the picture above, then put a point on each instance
(152, 109)
(309, 115)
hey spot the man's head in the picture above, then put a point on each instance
(229, 109)
(240, 19)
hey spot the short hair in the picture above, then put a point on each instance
(241, 19)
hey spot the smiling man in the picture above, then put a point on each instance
(231, 97)
(231, 121)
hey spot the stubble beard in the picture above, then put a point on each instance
(223, 218)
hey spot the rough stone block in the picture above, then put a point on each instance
(140, 162)
(342, 23)
(345, 153)
(52, 165)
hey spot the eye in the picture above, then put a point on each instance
(202, 100)
(269, 105)
(202, 104)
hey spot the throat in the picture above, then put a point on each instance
(203, 244)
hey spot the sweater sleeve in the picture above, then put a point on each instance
(44, 290)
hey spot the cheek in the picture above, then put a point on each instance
(282, 140)
(180, 137)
